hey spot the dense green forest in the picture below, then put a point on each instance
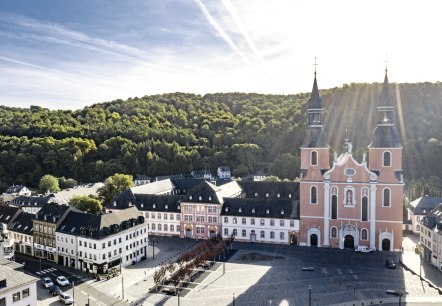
(177, 133)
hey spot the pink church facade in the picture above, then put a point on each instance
(351, 203)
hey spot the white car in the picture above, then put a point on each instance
(65, 298)
(47, 282)
(363, 249)
(62, 281)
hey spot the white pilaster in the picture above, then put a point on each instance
(373, 215)
(326, 212)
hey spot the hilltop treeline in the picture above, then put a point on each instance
(177, 133)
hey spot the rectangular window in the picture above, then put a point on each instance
(262, 234)
(243, 221)
(262, 222)
(252, 221)
(177, 228)
(226, 231)
(281, 236)
(25, 292)
(104, 245)
(16, 296)
(281, 223)
(171, 216)
(292, 223)
(3, 302)
(226, 219)
(244, 233)
(272, 222)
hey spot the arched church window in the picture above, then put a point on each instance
(364, 208)
(313, 195)
(364, 234)
(386, 197)
(334, 206)
(314, 158)
(334, 232)
(387, 159)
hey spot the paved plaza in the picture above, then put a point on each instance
(263, 274)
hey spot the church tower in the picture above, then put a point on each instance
(385, 160)
(314, 162)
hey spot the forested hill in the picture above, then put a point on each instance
(177, 133)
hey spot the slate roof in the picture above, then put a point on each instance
(425, 203)
(14, 189)
(434, 219)
(315, 138)
(36, 201)
(147, 202)
(209, 193)
(315, 101)
(52, 212)
(101, 225)
(184, 185)
(8, 214)
(250, 189)
(154, 187)
(261, 208)
(385, 136)
(23, 224)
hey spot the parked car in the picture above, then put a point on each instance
(62, 281)
(389, 263)
(65, 298)
(54, 290)
(363, 249)
(47, 282)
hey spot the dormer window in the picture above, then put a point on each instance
(239, 209)
(226, 209)
(267, 211)
(290, 195)
(256, 194)
(115, 203)
(210, 198)
(166, 206)
(253, 210)
(200, 198)
(190, 197)
(153, 205)
(142, 205)
(267, 195)
(282, 211)
(278, 195)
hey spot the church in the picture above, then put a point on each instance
(347, 203)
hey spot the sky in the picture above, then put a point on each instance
(70, 54)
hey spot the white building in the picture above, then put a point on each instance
(22, 230)
(141, 180)
(17, 190)
(95, 243)
(16, 288)
(419, 209)
(223, 172)
(7, 215)
(261, 220)
(33, 204)
(431, 237)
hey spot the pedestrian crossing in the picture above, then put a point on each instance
(43, 272)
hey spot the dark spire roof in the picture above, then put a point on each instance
(385, 98)
(315, 100)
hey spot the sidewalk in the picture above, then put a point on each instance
(419, 267)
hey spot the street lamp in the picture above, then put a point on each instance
(153, 247)
(310, 295)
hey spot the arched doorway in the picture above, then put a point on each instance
(313, 240)
(349, 242)
(385, 244)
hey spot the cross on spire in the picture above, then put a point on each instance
(315, 65)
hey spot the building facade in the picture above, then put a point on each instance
(17, 288)
(431, 237)
(352, 203)
(95, 243)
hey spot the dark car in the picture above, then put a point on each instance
(389, 263)
(54, 290)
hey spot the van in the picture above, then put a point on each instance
(363, 249)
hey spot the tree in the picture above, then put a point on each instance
(48, 183)
(66, 183)
(113, 186)
(87, 204)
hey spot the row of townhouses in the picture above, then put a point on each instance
(430, 231)
(89, 242)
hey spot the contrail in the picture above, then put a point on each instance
(232, 11)
(221, 32)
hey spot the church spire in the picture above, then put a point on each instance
(316, 137)
(385, 98)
